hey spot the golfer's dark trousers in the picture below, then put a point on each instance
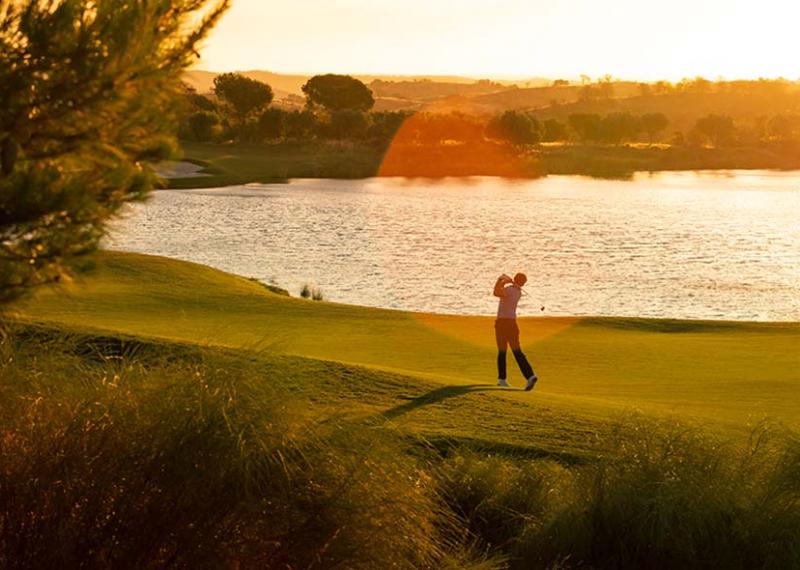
(506, 333)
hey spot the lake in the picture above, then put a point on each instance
(698, 245)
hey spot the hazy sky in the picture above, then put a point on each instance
(636, 39)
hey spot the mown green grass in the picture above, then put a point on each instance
(604, 161)
(732, 373)
(230, 164)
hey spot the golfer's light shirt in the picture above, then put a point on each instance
(507, 307)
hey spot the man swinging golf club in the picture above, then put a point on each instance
(506, 330)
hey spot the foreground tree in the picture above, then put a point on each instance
(338, 93)
(90, 90)
(242, 95)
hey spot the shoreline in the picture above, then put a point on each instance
(221, 165)
(720, 172)
(664, 324)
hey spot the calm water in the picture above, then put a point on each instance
(684, 245)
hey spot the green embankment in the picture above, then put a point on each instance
(227, 165)
(434, 374)
(230, 164)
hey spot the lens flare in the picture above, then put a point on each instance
(439, 144)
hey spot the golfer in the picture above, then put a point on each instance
(506, 330)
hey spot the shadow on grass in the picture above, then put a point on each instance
(436, 396)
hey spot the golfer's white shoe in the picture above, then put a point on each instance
(502, 382)
(531, 383)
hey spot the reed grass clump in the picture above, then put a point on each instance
(659, 497)
(170, 457)
(313, 293)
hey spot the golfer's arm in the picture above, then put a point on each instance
(500, 287)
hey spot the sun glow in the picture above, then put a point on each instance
(629, 39)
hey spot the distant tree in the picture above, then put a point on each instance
(695, 85)
(677, 139)
(384, 125)
(90, 95)
(554, 131)
(348, 124)
(719, 130)
(586, 126)
(605, 88)
(663, 87)
(201, 126)
(243, 96)
(784, 127)
(443, 128)
(200, 102)
(700, 85)
(338, 92)
(560, 83)
(272, 123)
(199, 119)
(300, 124)
(654, 123)
(587, 93)
(754, 131)
(515, 127)
(619, 127)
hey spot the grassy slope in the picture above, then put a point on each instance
(433, 374)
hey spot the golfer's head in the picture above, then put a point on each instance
(520, 279)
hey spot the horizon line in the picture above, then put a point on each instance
(494, 77)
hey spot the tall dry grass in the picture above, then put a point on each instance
(159, 457)
(126, 454)
(661, 496)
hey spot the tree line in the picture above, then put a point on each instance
(339, 107)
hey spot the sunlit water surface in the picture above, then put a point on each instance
(683, 245)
